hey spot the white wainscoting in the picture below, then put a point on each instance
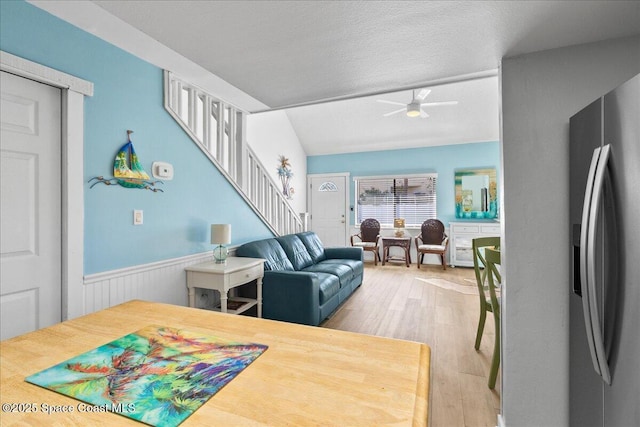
(163, 281)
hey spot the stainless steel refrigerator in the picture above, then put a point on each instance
(605, 229)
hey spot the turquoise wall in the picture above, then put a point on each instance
(443, 160)
(128, 94)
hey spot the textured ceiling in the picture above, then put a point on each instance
(290, 52)
(262, 55)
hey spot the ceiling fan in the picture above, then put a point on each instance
(414, 108)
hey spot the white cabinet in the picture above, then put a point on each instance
(461, 235)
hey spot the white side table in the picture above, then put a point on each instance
(222, 277)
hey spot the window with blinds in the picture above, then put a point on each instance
(412, 197)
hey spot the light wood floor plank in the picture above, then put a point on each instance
(440, 308)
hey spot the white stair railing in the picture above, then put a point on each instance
(267, 197)
(218, 129)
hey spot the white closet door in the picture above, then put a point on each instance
(30, 203)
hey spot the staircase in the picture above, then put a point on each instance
(218, 129)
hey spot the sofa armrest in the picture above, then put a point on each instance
(346, 252)
(292, 296)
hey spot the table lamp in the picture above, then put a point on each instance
(220, 235)
(398, 224)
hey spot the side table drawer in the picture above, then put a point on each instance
(245, 276)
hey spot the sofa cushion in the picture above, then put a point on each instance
(296, 251)
(275, 257)
(314, 245)
(343, 271)
(355, 265)
(329, 286)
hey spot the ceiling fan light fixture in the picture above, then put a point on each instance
(413, 109)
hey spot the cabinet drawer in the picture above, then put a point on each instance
(465, 228)
(491, 229)
(247, 275)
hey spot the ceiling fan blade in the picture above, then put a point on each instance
(423, 94)
(394, 112)
(432, 104)
(423, 114)
(384, 101)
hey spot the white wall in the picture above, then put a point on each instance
(540, 92)
(271, 135)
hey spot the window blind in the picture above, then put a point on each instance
(386, 198)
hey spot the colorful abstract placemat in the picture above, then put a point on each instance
(157, 375)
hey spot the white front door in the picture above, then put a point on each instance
(30, 206)
(328, 207)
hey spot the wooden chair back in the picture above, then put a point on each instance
(492, 257)
(479, 247)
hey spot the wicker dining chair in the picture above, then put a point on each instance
(368, 238)
(432, 240)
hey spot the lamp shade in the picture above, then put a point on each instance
(398, 223)
(220, 234)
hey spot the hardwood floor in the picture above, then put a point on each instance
(439, 308)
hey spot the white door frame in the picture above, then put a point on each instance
(347, 192)
(73, 91)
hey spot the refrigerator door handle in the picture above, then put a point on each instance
(590, 266)
(584, 259)
(598, 337)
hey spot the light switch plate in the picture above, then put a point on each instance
(138, 217)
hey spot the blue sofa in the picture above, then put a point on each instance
(303, 281)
